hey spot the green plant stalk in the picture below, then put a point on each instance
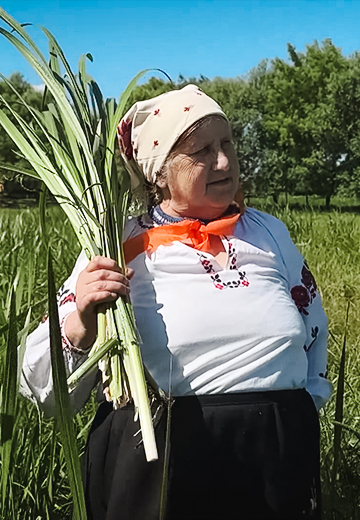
(91, 362)
(80, 173)
(8, 400)
(339, 406)
(22, 347)
(165, 477)
(101, 326)
(115, 387)
(135, 371)
(64, 418)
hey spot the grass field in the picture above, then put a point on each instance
(330, 241)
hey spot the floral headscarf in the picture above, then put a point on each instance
(149, 130)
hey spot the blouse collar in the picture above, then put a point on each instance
(161, 219)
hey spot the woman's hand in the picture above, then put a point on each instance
(102, 282)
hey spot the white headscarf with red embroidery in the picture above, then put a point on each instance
(149, 130)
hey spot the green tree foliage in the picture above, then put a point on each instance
(154, 87)
(311, 121)
(295, 122)
(239, 101)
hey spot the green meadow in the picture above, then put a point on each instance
(330, 241)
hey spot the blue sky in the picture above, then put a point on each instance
(189, 37)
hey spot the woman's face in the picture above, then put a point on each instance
(203, 176)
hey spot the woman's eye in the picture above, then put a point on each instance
(200, 151)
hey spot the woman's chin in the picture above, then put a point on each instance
(219, 202)
(212, 210)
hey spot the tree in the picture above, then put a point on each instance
(239, 101)
(308, 120)
(8, 153)
(152, 88)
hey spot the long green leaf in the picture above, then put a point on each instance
(74, 89)
(39, 160)
(56, 137)
(62, 401)
(31, 150)
(21, 349)
(47, 76)
(117, 116)
(17, 27)
(165, 476)
(42, 213)
(8, 399)
(91, 362)
(22, 171)
(339, 407)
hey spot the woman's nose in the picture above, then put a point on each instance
(221, 161)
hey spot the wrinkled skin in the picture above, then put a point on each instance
(203, 177)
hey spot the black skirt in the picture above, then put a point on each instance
(248, 456)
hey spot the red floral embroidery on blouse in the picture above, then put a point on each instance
(308, 280)
(156, 112)
(156, 143)
(124, 138)
(187, 109)
(301, 297)
(239, 279)
(69, 298)
(304, 294)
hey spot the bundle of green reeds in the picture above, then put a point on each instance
(74, 157)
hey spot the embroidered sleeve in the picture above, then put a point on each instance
(307, 299)
(308, 302)
(36, 378)
(304, 292)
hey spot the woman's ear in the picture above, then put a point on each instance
(161, 179)
(160, 188)
(161, 182)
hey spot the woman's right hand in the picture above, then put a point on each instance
(102, 282)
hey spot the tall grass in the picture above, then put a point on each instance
(331, 244)
(330, 241)
(38, 486)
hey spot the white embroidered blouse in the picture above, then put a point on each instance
(255, 325)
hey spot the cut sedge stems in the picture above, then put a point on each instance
(74, 157)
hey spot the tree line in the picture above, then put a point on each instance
(295, 122)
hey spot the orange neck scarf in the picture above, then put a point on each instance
(190, 232)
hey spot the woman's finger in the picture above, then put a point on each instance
(102, 262)
(120, 288)
(104, 275)
(92, 300)
(129, 273)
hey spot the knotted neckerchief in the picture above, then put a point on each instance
(190, 232)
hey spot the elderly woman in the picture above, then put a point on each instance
(229, 316)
